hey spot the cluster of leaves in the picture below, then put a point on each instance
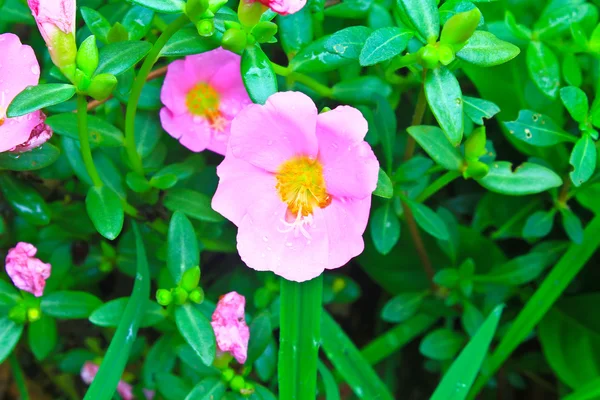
(453, 233)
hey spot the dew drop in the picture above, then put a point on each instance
(35, 69)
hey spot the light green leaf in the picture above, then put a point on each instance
(543, 68)
(435, 143)
(576, 102)
(528, 178)
(384, 44)
(537, 130)
(424, 16)
(162, 6)
(37, 97)
(445, 99)
(583, 160)
(348, 42)
(384, 187)
(197, 332)
(486, 50)
(385, 228)
(441, 344)
(478, 109)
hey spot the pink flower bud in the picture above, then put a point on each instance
(27, 272)
(89, 371)
(284, 7)
(230, 327)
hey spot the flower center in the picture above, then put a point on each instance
(301, 185)
(203, 101)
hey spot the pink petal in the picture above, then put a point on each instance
(350, 166)
(284, 7)
(202, 67)
(266, 136)
(175, 88)
(88, 372)
(228, 322)
(125, 390)
(27, 272)
(193, 133)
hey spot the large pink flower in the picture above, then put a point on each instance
(230, 327)
(298, 185)
(202, 94)
(27, 272)
(89, 371)
(284, 7)
(19, 68)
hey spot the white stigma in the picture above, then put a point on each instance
(298, 226)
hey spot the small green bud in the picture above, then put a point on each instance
(194, 9)
(82, 80)
(206, 27)
(197, 295)
(264, 31)
(87, 56)
(232, 24)
(475, 144)
(228, 374)
(234, 40)
(33, 314)
(476, 170)
(460, 27)
(179, 296)
(429, 56)
(18, 313)
(248, 389)
(102, 86)
(190, 279)
(249, 12)
(446, 54)
(237, 383)
(107, 250)
(164, 297)
(118, 33)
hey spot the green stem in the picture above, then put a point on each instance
(396, 64)
(136, 90)
(299, 338)
(436, 185)
(84, 140)
(19, 376)
(312, 83)
(549, 291)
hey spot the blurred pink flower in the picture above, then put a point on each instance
(202, 94)
(230, 327)
(19, 69)
(27, 272)
(298, 185)
(284, 7)
(56, 22)
(89, 371)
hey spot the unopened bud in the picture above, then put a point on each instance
(228, 374)
(206, 27)
(264, 31)
(249, 12)
(446, 54)
(179, 296)
(237, 383)
(164, 297)
(460, 27)
(194, 9)
(82, 81)
(429, 56)
(87, 56)
(234, 40)
(476, 170)
(118, 33)
(102, 86)
(190, 279)
(197, 295)
(475, 144)
(33, 314)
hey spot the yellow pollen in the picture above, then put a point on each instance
(203, 100)
(300, 184)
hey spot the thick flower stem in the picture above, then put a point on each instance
(299, 338)
(134, 158)
(313, 84)
(84, 141)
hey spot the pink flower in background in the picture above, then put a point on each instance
(202, 94)
(89, 371)
(298, 185)
(19, 68)
(27, 272)
(230, 327)
(284, 7)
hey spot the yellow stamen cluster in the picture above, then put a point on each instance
(203, 101)
(300, 184)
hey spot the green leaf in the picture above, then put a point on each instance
(208, 389)
(172, 387)
(332, 392)
(348, 42)
(478, 109)
(161, 358)
(441, 344)
(429, 221)
(260, 336)
(266, 365)
(197, 332)
(539, 224)
(10, 333)
(386, 125)
(295, 31)
(543, 68)
(349, 9)
(35, 159)
(187, 42)
(37, 97)
(182, 246)
(69, 304)
(193, 204)
(424, 16)
(571, 70)
(162, 6)
(402, 307)
(445, 99)
(102, 133)
(572, 225)
(138, 22)
(316, 58)
(384, 44)
(42, 335)
(97, 24)
(460, 376)
(583, 160)
(105, 209)
(109, 314)
(486, 50)
(361, 90)
(520, 270)
(435, 143)
(576, 102)
(385, 228)
(105, 383)
(537, 129)
(349, 362)
(116, 58)
(258, 75)
(559, 20)
(588, 391)
(24, 200)
(385, 187)
(528, 178)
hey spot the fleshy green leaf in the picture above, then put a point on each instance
(478, 109)
(401, 307)
(576, 102)
(24, 200)
(10, 333)
(102, 133)
(69, 304)
(110, 313)
(528, 178)
(116, 58)
(539, 224)
(193, 204)
(384, 44)
(583, 160)
(428, 220)
(260, 336)
(37, 97)
(138, 22)
(187, 42)
(97, 23)
(385, 228)
(445, 99)
(105, 209)
(207, 389)
(258, 75)
(441, 344)
(572, 225)
(162, 6)
(37, 158)
(543, 68)
(295, 31)
(424, 16)
(182, 246)
(348, 42)
(537, 130)
(42, 335)
(559, 20)
(197, 332)
(316, 58)
(384, 187)
(486, 50)
(436, 144)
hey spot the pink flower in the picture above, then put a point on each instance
(230, 327)
(89, 371)
(27, 272)
(298, 185)
(284, 7)
(19, 69)
(202, 94)
(56, 22)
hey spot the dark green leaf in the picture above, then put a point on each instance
(182, 252)
(348, 42)
(445, 99)
(528, 178)
(102, 133)
(97, 24)
(386, 124)
(429, 221)
(384, 44)
(116, 58)
(436, 144)
(520, 270)
(571, 70)
(258, 75)
(208, 389)
(332, 392)
(401, 307)
(193, 204)
(385, 228)
(539, 224)
(478, 109)
(37, 97)
(385, 187)
(441, 344)
(362, 90)
(138, 22)
(197, 332)
(10, 333)
(572, 225)
(186, 42)
(109, 314)
(42, 337)
(583, 160)
(316, 58)
(37, 158)
(424, 16)
(162, 6)
(24, 200)
(295, 31)
(70, 305)
(537, 129)
(576, 102)
(172, 387)
(486, 50)
(260, 336)
(543, 68)
(105, 209)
